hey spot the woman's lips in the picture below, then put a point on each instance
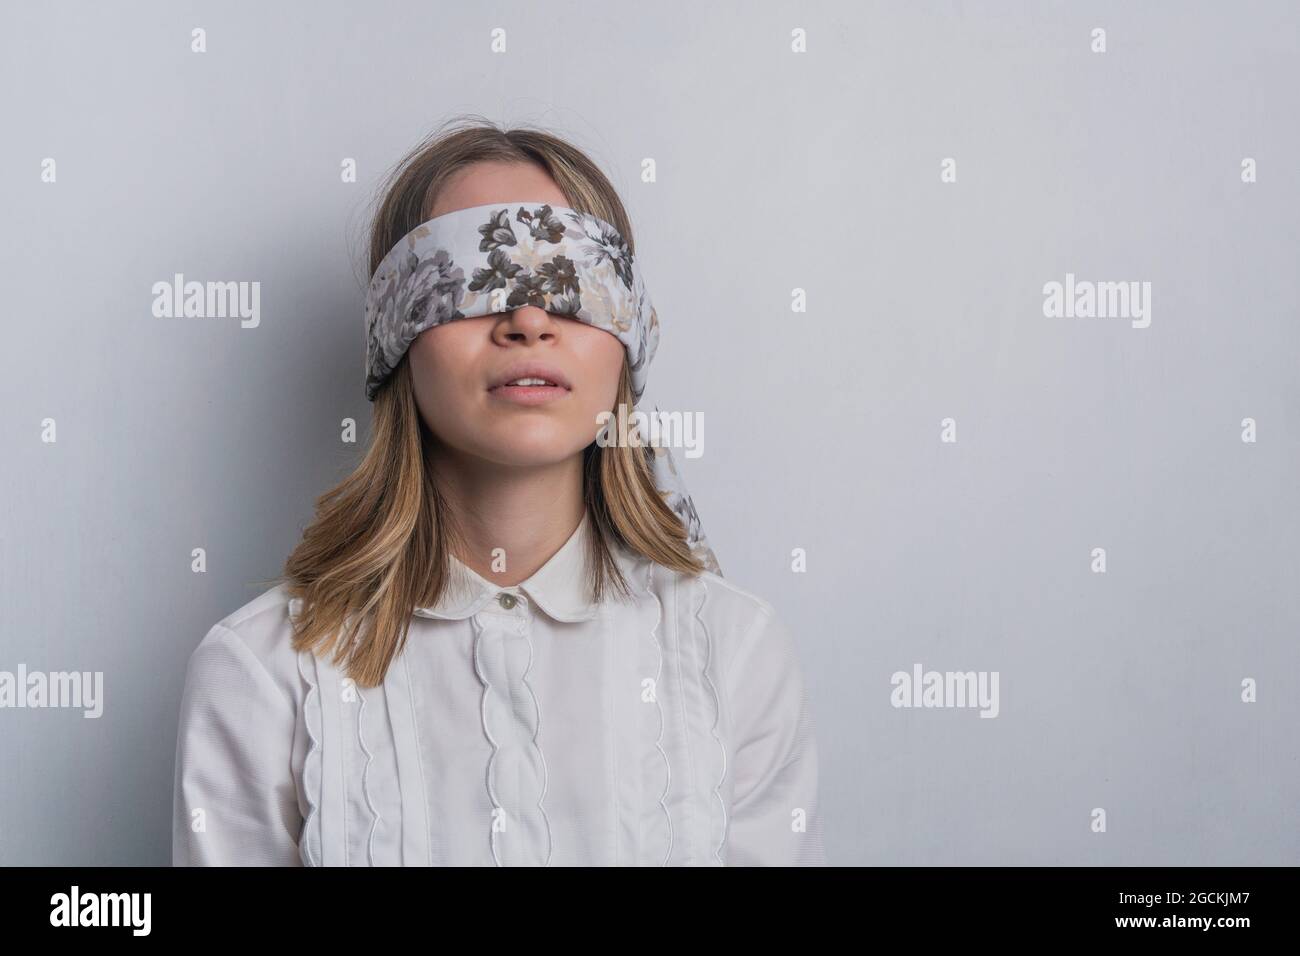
(528, 394)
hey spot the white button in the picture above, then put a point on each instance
(507, 601)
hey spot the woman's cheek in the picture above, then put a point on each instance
(586, 414)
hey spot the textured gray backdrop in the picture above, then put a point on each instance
(776, 170)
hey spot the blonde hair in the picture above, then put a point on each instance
(380, 543)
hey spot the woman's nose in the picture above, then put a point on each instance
(525, 324)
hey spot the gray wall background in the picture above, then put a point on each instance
(775, 170)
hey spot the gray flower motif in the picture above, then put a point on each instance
(497, 232)
(431, 292)
(561, 275)
(542, 223)
(384, 288)
(529, 290)
(602, 241)
(647, 328)
(637, 362)
(685, 509)
(569, 305)
(674, 493)
(383, 350)
(383, 343)
(376, 368)
(500, 270)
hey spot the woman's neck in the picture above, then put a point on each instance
(511, 520)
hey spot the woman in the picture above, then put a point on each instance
(501, 642)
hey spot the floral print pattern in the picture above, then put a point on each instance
(570, 263)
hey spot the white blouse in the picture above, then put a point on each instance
(520, 726)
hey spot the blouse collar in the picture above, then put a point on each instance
(560, 587)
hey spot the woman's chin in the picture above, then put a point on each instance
(533, 447)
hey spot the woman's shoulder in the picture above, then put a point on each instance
(755, 647)
(728, 597)
(720, 603)
(254, 642)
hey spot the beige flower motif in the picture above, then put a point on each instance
(529, 254)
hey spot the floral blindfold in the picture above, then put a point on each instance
(502, 256)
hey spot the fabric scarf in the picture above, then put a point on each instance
(501, 256)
